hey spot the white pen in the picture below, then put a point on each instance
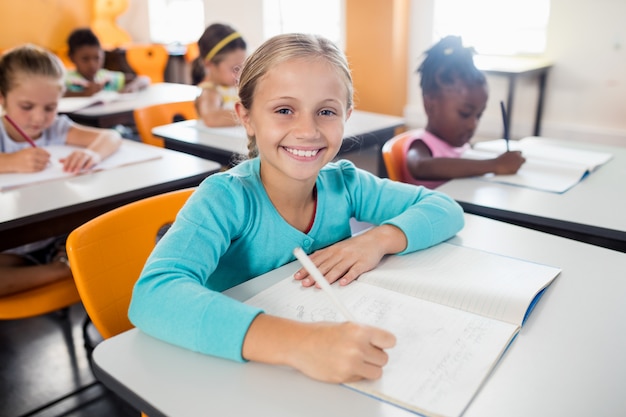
(321, 281)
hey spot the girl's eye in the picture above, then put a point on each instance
(283, 111)
(327, 112)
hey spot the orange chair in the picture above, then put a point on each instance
(192, 52)
(394, 155)
(107, 255)
(146, 118)
(149, 60)
(57, 295)
(63, 54)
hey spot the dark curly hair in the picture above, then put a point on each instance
(446, 62)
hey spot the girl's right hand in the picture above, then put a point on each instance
(29, 160)
(342, 352)
(509, 163)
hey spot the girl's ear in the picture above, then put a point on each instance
(243, 115)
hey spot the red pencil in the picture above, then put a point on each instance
(20, 131)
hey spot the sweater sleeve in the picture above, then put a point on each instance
(172, 300)
(426, 217)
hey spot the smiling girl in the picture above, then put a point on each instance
(31, 84)
(295, 97)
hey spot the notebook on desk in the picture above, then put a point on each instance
(548, 167)
(454, 312)
(74, 104)
(125, 155)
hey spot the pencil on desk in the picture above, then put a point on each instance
(20, 131)
(321, 281)
(505, 121)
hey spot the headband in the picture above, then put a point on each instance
(221, 44)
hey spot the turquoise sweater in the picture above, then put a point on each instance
(229, 232)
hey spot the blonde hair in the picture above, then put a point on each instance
(28, 60)
(282, 48)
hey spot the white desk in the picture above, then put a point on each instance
(52, 208)
(593, 211)
(363, 130)
(567, 360)
(121, 111)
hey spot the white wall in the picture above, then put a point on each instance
(586, 88)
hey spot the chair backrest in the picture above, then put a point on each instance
(146, 118)
(149, 60)
(394, 155)
(107, 255)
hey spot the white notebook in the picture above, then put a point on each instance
(126, 154)
(548, 166)
(453, 310)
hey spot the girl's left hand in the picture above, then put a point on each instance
(347, 260)
(81, 160)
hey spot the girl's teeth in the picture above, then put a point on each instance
(299, 152)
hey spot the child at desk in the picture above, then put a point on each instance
(222, 52)
(295, 95)
(89, 77)
(31, 84)
(454, 94)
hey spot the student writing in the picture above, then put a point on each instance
(31, 84)
(222, 52)
(295, 96)
(454, 93)
(90, 77)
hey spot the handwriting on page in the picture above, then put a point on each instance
(442, 354)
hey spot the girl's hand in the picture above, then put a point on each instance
(29, 160)
(80, 160)
(92, 88)
(342, 352)
(347, 260)
(509, 163)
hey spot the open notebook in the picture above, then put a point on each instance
(127, 154)
(548, 167)
(454, 311)
(72, 104)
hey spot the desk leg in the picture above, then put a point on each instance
(539, 114)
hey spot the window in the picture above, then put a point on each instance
(512, 27)
(322, 17)
(176, 21)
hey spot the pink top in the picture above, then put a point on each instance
(438, 148)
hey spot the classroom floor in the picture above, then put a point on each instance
(43, 359)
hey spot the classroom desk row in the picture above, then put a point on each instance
(363, 130)
(567, 359)
(593, 211)
(121, 111)
(56, 207)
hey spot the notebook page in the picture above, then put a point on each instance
(442, 355)
(125, 155)
(537, 148)
(468, 279)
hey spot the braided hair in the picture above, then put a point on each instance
(447, 62)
